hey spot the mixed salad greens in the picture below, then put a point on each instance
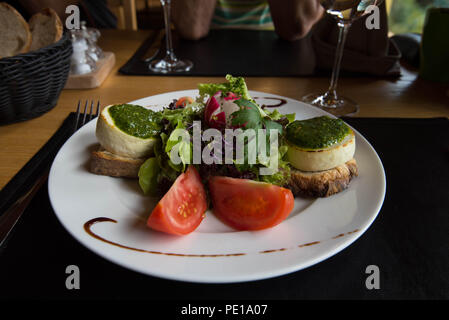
(159, 172)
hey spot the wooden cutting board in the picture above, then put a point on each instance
(93, 79)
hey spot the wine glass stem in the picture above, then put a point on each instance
(343, 29)
(167, 20)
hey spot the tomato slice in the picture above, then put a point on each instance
(249, 205)
(183, 101)
(182, 208)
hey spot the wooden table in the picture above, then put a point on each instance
(407, 96)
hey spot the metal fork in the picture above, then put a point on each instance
(9, 219)
(85, 116)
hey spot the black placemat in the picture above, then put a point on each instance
(408, 241)
(237, 52)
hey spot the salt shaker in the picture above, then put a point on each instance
(81, 62)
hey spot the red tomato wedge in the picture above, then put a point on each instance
(249, 205)
(182, 208)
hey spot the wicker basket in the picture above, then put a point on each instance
(30, 83)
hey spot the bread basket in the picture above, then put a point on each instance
(30, 83)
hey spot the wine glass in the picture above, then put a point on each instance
(345, 12)
(169, 63)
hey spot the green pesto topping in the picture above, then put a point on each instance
(317, 133)
(135, 120)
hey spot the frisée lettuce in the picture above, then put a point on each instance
(236, 85)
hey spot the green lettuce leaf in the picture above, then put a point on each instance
(185, 149)
(248, 117)
(281, 177)
(276, 115)
(148, 174)
(235, 85)
(184, 115)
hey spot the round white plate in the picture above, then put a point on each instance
(214, 253)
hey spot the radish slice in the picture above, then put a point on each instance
(231, 96)
(219, 109)
(218, 120)
(212, 105)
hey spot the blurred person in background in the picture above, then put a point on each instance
(291, 19)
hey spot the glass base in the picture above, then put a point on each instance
(335, 105)
(168, 64)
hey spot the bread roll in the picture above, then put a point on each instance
(15, 35)
(46, 29)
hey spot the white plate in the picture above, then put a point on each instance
(214, 253)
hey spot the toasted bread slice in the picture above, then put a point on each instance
(15, 35)
(103, 162)
(322, 183)
(46, 29)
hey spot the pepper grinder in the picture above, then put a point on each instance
(91, 35)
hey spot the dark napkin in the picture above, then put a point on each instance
(408, 240)
(409, 44)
